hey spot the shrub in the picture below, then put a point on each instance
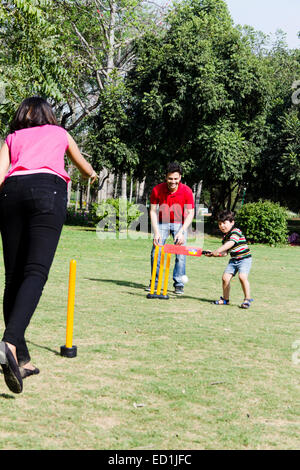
(263, 222)
(77, 217)
(116, 214)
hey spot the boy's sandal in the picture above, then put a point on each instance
(222, 301)
(246, 303)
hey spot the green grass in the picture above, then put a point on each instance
(150, 374)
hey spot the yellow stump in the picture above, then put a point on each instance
(167, 274)
(161, 270)
(152, 285)
(158, 294)
(69, 350)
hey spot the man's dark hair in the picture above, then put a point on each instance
(174, 167)
(226, 215)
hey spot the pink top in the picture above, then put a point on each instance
(38, 148)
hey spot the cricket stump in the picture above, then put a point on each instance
(69, 350)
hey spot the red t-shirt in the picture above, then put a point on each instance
(172, 206)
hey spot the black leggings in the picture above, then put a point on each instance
(32, 213)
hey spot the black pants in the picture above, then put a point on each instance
(32, 213)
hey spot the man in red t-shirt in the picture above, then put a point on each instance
(175, 203)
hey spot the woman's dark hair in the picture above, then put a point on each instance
(32, 112)
(174, 167)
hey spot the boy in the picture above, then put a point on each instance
(241, 259)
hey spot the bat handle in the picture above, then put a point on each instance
(207, 252)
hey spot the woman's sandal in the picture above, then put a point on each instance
(222, 301)
(12, 375)
(27, 372)
(247, 303)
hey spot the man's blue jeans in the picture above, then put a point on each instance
(180, 260)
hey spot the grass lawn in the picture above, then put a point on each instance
(155, 374)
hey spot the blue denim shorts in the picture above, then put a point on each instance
(239, 265)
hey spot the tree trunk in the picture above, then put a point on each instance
(70, 172)
(77, 196)
(131, 190)
(116, 187)
(111, 38)
(198, 192)
(80, 197)
(110, 186)
(88, 195)
(142, 189)
(238, 195)
(124, 186)
(102, 193)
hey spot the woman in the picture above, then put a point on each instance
(33, 201)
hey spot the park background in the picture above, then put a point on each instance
(138, 85)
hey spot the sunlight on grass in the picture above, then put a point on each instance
(150, 374)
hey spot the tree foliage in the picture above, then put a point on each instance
(214, 97)
(139, 89)
(276, 174)
(200, 97)
(30, 54)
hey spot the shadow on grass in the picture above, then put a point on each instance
(210, 301)
(136, 285)
(6, 395)
(180, 298)
(119, 283)
(44, 347)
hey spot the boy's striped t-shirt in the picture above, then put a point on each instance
(240, 249)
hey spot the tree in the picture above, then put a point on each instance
(200, 97)
(75, 53)
(101, 36)
(30, 55)
(276, 174)
(106, 138)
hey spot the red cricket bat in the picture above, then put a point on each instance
(183, 250)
